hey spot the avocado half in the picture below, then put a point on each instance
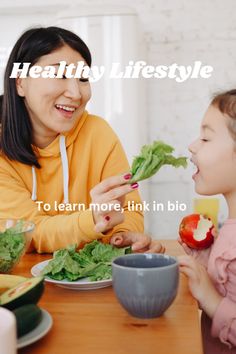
(27, 318)
(27, 292)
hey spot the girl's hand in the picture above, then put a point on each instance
(110, 194)
(200, 284)
(139, 242)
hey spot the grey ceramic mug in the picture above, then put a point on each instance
(145, 284)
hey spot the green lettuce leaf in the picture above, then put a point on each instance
(152, 158)
(93, 261)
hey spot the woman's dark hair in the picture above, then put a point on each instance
(1, 99)
(16, 135)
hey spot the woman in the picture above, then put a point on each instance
(56, 158)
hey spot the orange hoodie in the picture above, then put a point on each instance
(70, 167)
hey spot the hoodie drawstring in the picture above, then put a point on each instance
(65, 172)
(65, 169)
(34, 180)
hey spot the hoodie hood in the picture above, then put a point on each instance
(56, 148)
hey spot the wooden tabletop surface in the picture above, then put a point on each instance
(87, 322)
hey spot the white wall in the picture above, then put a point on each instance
(176, 31)
(12, 25)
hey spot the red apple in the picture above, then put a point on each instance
(196, 231)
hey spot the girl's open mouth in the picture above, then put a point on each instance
(196, 172)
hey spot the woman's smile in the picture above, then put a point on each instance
(66, 110)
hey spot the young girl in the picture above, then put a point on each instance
(56, 158)
(212, 272)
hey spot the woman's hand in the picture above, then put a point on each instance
(110, 194)
(139, 242)
(200, 284)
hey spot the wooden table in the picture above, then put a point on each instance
(87, 322)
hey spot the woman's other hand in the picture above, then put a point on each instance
(138, 241)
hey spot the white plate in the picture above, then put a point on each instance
(40, 331)
(82, 284)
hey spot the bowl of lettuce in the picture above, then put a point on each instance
(15, 238)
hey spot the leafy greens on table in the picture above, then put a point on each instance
(93, 261)
(152, 158)
(12, 243)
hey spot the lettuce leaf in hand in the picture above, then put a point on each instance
(152, 158)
